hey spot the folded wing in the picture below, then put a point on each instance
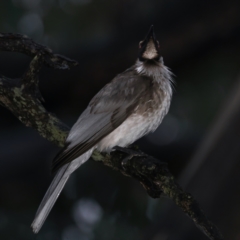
(106, 111)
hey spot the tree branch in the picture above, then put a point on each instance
(22, 98)
(21, 43)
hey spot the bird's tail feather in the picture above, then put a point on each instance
(50, 197)
(55, 189)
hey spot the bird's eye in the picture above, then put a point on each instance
(140, 44)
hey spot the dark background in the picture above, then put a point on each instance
(199, 138)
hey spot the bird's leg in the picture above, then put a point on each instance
(130, 152)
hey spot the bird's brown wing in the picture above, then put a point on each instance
(107, 110)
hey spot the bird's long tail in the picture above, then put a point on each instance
(55, 189)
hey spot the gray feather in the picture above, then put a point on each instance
(55, 189)
(106, 111)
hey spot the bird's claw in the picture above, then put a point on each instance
(131, 153)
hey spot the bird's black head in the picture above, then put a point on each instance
(149, 48)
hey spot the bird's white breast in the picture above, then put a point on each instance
(139, 124)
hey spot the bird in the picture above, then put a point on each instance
(133, 104)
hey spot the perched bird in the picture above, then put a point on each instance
(130, 106)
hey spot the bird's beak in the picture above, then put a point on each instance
(150, 35)
(149, 47)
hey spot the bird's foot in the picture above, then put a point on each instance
(131, 153)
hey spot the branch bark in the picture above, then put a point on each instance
(22, 97)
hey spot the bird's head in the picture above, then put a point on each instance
(149, 48)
